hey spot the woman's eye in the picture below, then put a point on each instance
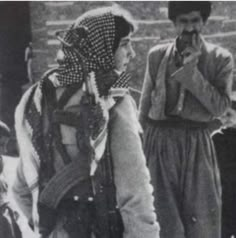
(183, 21)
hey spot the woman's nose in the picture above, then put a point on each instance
(132, 53)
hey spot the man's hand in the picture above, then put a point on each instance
(229, 118)
(192, 53)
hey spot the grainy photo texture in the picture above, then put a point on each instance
(117, 119)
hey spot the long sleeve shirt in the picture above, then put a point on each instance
(206, 89)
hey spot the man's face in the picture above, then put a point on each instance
(190, 22)
(123, 54)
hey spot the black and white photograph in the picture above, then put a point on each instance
(117, 119)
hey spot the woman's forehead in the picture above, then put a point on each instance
(126, 39)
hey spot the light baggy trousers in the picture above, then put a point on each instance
(185, 176)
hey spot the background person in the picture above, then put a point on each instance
(8, 217)
(187, 85)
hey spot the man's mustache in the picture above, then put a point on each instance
(186, 37)
(188, 33)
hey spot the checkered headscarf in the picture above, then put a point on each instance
(96, 47)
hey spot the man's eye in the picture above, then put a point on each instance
(195, 20)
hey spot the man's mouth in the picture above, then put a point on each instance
(187, 37)
(189, 33)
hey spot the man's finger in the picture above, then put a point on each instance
(194, 41)
(191, 58)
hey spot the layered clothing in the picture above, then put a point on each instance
(207, 94)
(177, 110)
(8, 218)
(77, 130)
(131, 176)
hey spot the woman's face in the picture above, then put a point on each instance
(123, 54)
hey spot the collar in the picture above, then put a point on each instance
(118, 72)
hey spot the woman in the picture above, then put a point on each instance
(79, 136)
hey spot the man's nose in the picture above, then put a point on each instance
(189, 27)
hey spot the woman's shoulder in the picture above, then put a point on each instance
(125, 113)
(125, 104)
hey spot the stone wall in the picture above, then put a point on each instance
(154, 28)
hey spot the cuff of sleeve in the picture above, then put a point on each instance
(215, 126)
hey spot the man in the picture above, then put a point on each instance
(187, 86)
(81, 154)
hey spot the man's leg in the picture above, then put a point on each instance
(201, 188)
(164, 164)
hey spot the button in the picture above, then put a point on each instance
(76, 198)
(90, 199)
(194, 219)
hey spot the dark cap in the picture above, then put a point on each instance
(176, 8)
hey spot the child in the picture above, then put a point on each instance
(8, 225)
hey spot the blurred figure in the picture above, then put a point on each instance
(15, 34)
(8, 218)
(225, 144)
(28, 61)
